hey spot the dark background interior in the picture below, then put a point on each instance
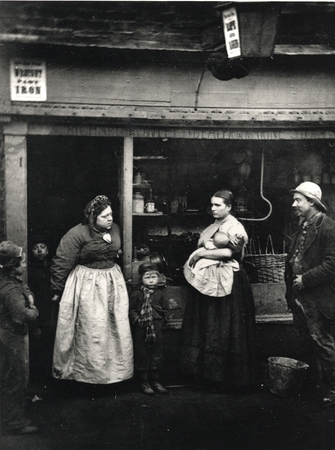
(64, 174)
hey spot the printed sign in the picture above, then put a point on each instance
(231, 32)
(28, 80)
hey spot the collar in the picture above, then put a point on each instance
(226, 219)
(17, 278)
(312, 219)
(106, 236)
(146, 289)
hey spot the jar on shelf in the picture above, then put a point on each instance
(138, 178)
(138, 203)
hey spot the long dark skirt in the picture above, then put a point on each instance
(219, 335)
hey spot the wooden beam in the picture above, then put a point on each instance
(166, 43)
(292, 129)
(176, 116)
(308, 50)
(279, 49)
(127, 204)
(16, 216)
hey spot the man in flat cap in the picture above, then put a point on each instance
(310, 283)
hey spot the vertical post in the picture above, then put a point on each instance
(15, 151)
(2, 191)
(127, 204)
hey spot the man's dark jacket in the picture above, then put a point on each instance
(318, 263)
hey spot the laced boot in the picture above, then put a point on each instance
(156, 385)
(145, 386)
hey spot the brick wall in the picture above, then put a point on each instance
(2, 190)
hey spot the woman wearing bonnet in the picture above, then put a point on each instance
(93, 339)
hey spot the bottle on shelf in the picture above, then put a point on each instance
(150, 206)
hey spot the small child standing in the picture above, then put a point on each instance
(42, 331)
(148, 311)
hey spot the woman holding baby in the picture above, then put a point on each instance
(219, 320)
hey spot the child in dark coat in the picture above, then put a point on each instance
(17, 310)
(42, 331)
(148, 311)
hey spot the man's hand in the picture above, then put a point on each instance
(297, 282)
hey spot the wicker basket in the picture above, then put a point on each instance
(266, 267)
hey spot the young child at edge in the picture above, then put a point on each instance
(148, 311)
(17, 310)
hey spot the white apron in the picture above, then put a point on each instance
(93, 339)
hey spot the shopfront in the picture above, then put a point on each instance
(155, 125)
(55, 169)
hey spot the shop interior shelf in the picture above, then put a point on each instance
(142, 185)
(150, 157)
(149, 214)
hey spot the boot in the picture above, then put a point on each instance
(145, 386)
(156, 385)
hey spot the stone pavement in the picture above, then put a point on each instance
(118, 417)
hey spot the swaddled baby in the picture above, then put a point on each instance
(219, 240)
(201, 274)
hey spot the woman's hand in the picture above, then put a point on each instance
(236, 242)
(236, 239)
(31, 300)
(195, 258)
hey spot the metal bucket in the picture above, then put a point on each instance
(286, 375)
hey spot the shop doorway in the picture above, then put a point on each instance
(64, 174)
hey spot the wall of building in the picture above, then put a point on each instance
(153, 80)
(82, 80)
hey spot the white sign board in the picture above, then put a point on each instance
(231, 32)
(28, 80)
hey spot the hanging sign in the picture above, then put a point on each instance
(28, 80)
(231, 32)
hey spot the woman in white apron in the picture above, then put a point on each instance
(93, 339)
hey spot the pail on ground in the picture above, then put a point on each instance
(286, 375)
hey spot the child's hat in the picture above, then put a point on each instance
(147, 267)
(8, 251)
(38, 239)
